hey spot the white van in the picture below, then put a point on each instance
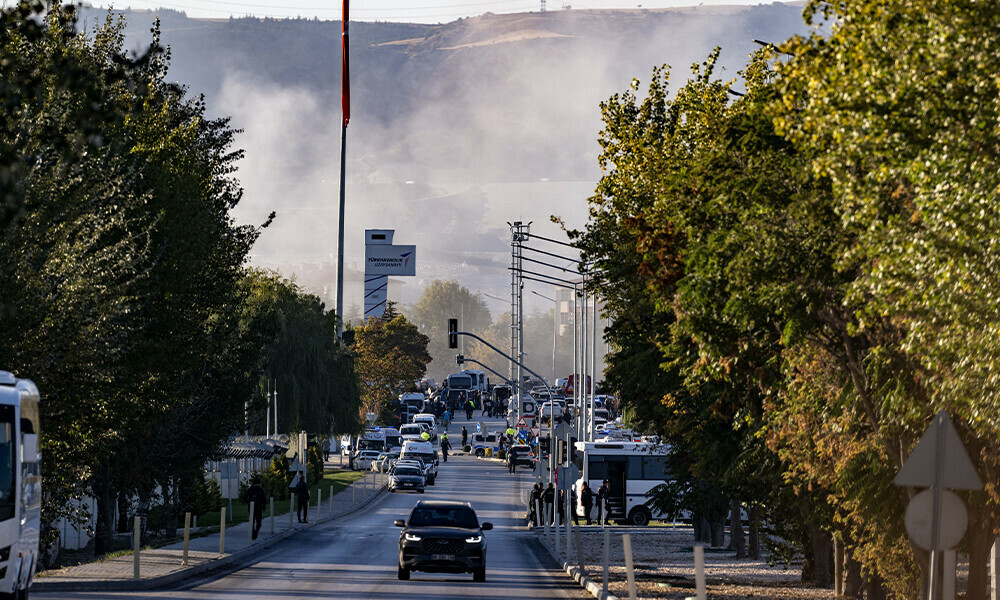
(426, 418)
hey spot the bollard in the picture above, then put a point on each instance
(250, 520)
(699, 571)
(629, 568)
(187, 538)
(354, 493)
(331, 501)
(195, 524)
(222, 531)
(272, 515)
(136, 540)
(319, 502)
(567, 518)
(291, 509)
(579, 550)
(607, 557)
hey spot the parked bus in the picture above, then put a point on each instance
(632, 469)
(20, 484)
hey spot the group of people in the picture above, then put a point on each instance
(256, 498)
(549, 496)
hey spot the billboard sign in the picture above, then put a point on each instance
(390, 260)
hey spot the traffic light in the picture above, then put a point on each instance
(459, 359)
(453, 333)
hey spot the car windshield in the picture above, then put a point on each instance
(426, 516)
(408, 472)
(411, 429)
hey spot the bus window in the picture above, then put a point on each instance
(634, 467)
(8, 459)
(598, 469)
(654, 467)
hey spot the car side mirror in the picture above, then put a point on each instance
(486, 526)
(400, 523)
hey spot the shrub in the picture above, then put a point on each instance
(314, 464)
(274, 479)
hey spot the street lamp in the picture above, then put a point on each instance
(555, 330)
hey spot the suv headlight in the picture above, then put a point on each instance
(411, 537)
(474, 539)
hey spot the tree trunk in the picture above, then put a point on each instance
(853, 582)
(124, 506)
(979, 539)
(104, 529)
(875, 588)
(170, 501)
(738, 540)
(718, 530)
(838, 566)
(754, 532)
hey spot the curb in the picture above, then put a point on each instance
(596, 589)
(40, 585)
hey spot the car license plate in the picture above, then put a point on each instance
(443, 557)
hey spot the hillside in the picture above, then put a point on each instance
(456, 128)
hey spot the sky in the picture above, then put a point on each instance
(404, 11)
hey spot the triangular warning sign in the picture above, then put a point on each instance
(521, 424)
(957, 471)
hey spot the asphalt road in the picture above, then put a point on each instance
(356, 557)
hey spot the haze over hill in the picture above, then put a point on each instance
(456, 129)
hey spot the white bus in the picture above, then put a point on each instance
(631, 469)
(20, 484)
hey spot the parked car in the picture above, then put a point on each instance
(405, 478)
(385, 461)
(525, 455)
(442, 537)
(363, 461)
(430, 473)
(411, 431)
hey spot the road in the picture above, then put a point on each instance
(356, 557)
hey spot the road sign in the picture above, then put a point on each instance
(521, 424)
(957, 471)
(297, 466)
(951, 523)
(534, 431)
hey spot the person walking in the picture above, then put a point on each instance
(469, 407)
(302, 491)
(512, 459)
(465, 437)
(548, 497)
(445, 446)
(446, 418)
(326, 450)
(602, 501)
(587, 499)
(255, 496)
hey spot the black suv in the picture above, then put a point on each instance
(443, 537)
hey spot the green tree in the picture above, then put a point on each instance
(443, 300)
(391, 356)
(313, 374)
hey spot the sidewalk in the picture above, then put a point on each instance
(162, 566)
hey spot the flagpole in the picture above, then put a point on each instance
(346, 105)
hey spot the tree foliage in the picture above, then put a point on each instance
(443, 300)
(391, 356)
(812, 264)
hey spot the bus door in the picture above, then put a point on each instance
(617, 488)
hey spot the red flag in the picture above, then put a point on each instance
(345, 89)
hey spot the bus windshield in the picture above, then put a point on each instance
(8, 467)
(460, 382)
